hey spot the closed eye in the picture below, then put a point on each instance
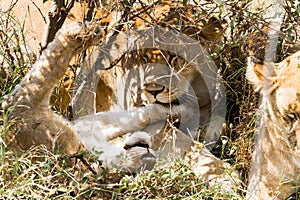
(292, 116)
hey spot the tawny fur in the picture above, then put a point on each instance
(275, 171)
(165, 14)
(35, 122)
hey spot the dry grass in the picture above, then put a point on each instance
(21, 177)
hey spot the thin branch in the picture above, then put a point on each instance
(91, 6)
(41, 13)
(81, 158)
(57, 16)
(12, 5)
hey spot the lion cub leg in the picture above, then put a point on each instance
(173, 143)
(29, 103)
(99, 129)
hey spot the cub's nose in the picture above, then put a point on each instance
(154, 88)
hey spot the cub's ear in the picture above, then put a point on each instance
(256, 73)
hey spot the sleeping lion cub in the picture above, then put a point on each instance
(149, 74)
(37, 124)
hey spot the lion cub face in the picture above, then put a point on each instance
(157, 93)
(279, 85)
(279, 136)
(164, 85)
